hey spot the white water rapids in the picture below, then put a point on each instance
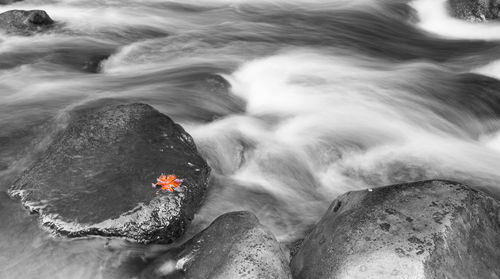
(326, 97)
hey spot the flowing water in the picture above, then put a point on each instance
(325, 97)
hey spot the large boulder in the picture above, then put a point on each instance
(25, 22)
(234, 246)
(96, 176)
(428, 229)
(475, 10)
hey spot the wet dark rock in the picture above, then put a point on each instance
(217, 84)
(206, 82)
(475, 10)
(25, 22)
(95, 177)
(356, 241)
(199, 96)
(93, 64)
(235, 245)
(401, 10)
(295, 246)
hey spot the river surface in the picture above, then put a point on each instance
(325, 97)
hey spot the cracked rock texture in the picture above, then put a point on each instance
(234, 246)
(95, 177)
(428, 229)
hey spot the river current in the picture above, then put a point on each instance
(325, 97)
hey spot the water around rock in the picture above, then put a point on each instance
(322, 98)
(95, 178)
(235, 245)
(428, 229)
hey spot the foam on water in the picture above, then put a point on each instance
(326, 97)
(491, 69)
(320, 125)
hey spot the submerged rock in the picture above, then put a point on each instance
(93, 62)
(235, 245)
(77, 55)
(25, 22)
(7, 2)
(475, 10)
(95, 178)
(428, 229)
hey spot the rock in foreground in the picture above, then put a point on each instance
(429, 229)
(475, 10)
(25, 22)
(95, 178)
(234, 246)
